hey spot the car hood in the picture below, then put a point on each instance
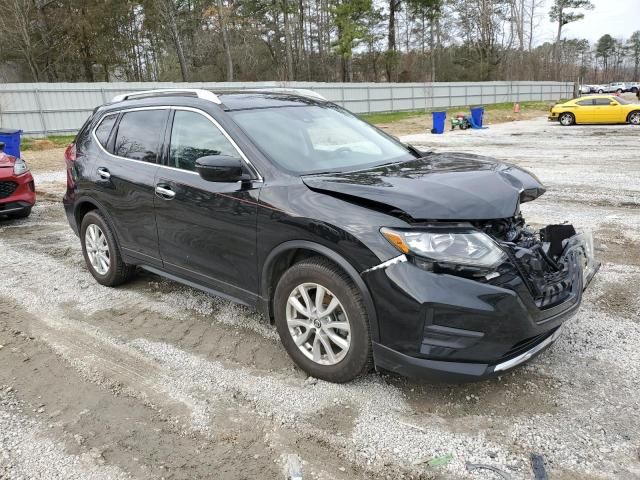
(7, 160)
(438, 186)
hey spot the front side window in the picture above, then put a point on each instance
(104, 129)
(316, 138)
(139, 135)
(194, 136)
(603, 101)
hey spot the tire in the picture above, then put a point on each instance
(600, 91)
(567, 119)
(619, 91)
(634, 117)
(347, 363)
(117, 272)
(24, 213)
(634, 90)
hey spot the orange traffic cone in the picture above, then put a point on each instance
(516, 108)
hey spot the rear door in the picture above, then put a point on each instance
(207, 230)
(584, 111)
(125, 179)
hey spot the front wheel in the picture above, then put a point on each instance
(601, 91)
(567, 119)
(322, 322)
(634, 118)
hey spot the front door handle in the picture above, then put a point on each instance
(165, 192)
(104, 173)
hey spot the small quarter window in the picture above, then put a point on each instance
(104, 129)
(194, 136)
(139, 135)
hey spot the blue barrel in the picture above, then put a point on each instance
(439, 118)
(476, 115)
(11, 140)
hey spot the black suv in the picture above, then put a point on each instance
(363, 251)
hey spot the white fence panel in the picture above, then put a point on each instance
(61, 108)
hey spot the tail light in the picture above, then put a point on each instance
(70, 158)
(70, 153)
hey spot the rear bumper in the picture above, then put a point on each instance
(444, 328)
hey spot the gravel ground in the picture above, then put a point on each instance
(156, 380)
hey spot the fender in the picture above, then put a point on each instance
(334, 257)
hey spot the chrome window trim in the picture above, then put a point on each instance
(172, 107)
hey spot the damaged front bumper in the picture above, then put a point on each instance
(444, 327)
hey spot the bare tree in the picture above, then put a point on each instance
(168, 12)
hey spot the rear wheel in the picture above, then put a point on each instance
(24, 213)
(322, 322)
(101, 252)
(600, 91)
(567, 119)
(619, 91)
(634, 118)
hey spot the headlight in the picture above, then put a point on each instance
(471, 249)
(20, 167)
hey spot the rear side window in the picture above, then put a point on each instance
(139, 135)
(194, 136)
(104, 129)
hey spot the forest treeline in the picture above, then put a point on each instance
(305, 40)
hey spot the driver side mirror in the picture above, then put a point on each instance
(221, 168)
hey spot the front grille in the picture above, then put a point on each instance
(7, 188)
(554, 294)
(526, 345)
(548, 286)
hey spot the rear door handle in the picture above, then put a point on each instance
(104, 173)
(165, 192)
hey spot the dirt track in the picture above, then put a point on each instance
(154, 380)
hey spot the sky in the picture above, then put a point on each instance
(619, 18)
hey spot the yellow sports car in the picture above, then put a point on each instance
(596, 109)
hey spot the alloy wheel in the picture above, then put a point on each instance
(97, 249)
(318, 324)
(634, 118)
(566, 119)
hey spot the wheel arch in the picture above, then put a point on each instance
(85, 205)
(288, 253)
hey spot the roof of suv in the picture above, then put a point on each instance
(241, 100)
(229, 100)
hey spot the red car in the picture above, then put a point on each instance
(17, 190)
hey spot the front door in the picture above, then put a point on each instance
(207, 230)
(606, 110)
(125, 179)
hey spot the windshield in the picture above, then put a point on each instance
(315, 138)
(623, 101)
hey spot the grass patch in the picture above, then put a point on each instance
(390, 117)
(53, 141)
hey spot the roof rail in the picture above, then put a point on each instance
(303, 92)
(196, 92)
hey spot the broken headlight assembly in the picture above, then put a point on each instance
(454, 251)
